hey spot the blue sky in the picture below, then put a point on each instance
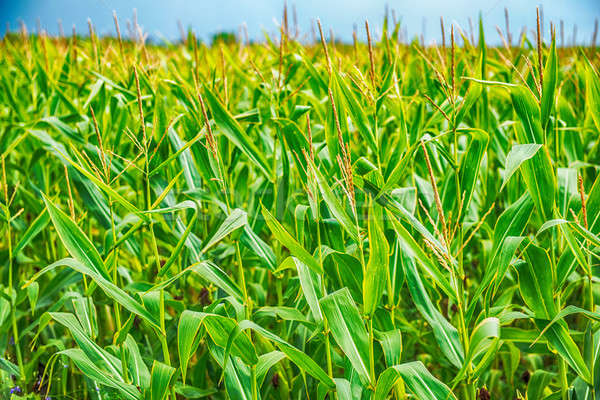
(159, 17)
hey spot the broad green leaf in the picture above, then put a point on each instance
(356, 112)
(235, 220)
(251, 240)
(375, 279)
(592, 90)
(9, 367)
(191, 392)
(483, 339)
(282, 235)
(398, 172)
(265, 363)
(537, 383)
(535, 282)
(106, 188)
(470, 165)
(550, 84)
(159, 380)
(219, 328)
(33, 292)
(137, 368)
(32, 231)
(560, 340)
(86, 314)
(179, 246)
(63, 128)
(348, 330)
(237, 375)
(235, 133)
(513, 220)
(417, 378)
(538, 172)
(76, 242)
(473, 94)
(310, 282)
(391, 344)
(301, 359)
(518, 154)
(566, 229)
(109, 288)
(333, 203)
(495, 270)
(89, 369)
(413, 249)
(93, 352)
(445, 334)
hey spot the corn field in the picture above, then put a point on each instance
(297, 219)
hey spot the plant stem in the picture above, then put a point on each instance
(371, 352)
(564, 384)
(324, 293)
(254, 382)
(115, 278)
(12, 293)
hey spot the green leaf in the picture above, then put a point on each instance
(235, 220)
(375, 279)
(310, 282)
(89, 369)
(537, 383)
(9, 367)
(566, 229)
(75, 241)
(235, 133)
(265, 363)
(63, 128)
(288, 241)
(348, 330)
(538, 172)
(333, 203)
(560, 340)
(417, 378)
(550, 83)
(528, 111)
(109, 288)
(137, 368)
(391, 344)
(179, 246)
(535, 282)
(219, 328)
(32, 231)
(469, 166)
(592, 90)
(33, 292)
(86, 314)
(411, 247)
(95, 353)
(302, 360)
(495, 270)
(160, 379)
(106, 188)
(211, 273)
(445, 334)
(191, 392)
(355, 111)
(473, 94)
(483, 339)
(398, 172)
(518, 154)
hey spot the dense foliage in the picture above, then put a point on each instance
(289, 221)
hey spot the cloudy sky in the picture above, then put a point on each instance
(159, 17)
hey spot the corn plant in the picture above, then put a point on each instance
(291, 220)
